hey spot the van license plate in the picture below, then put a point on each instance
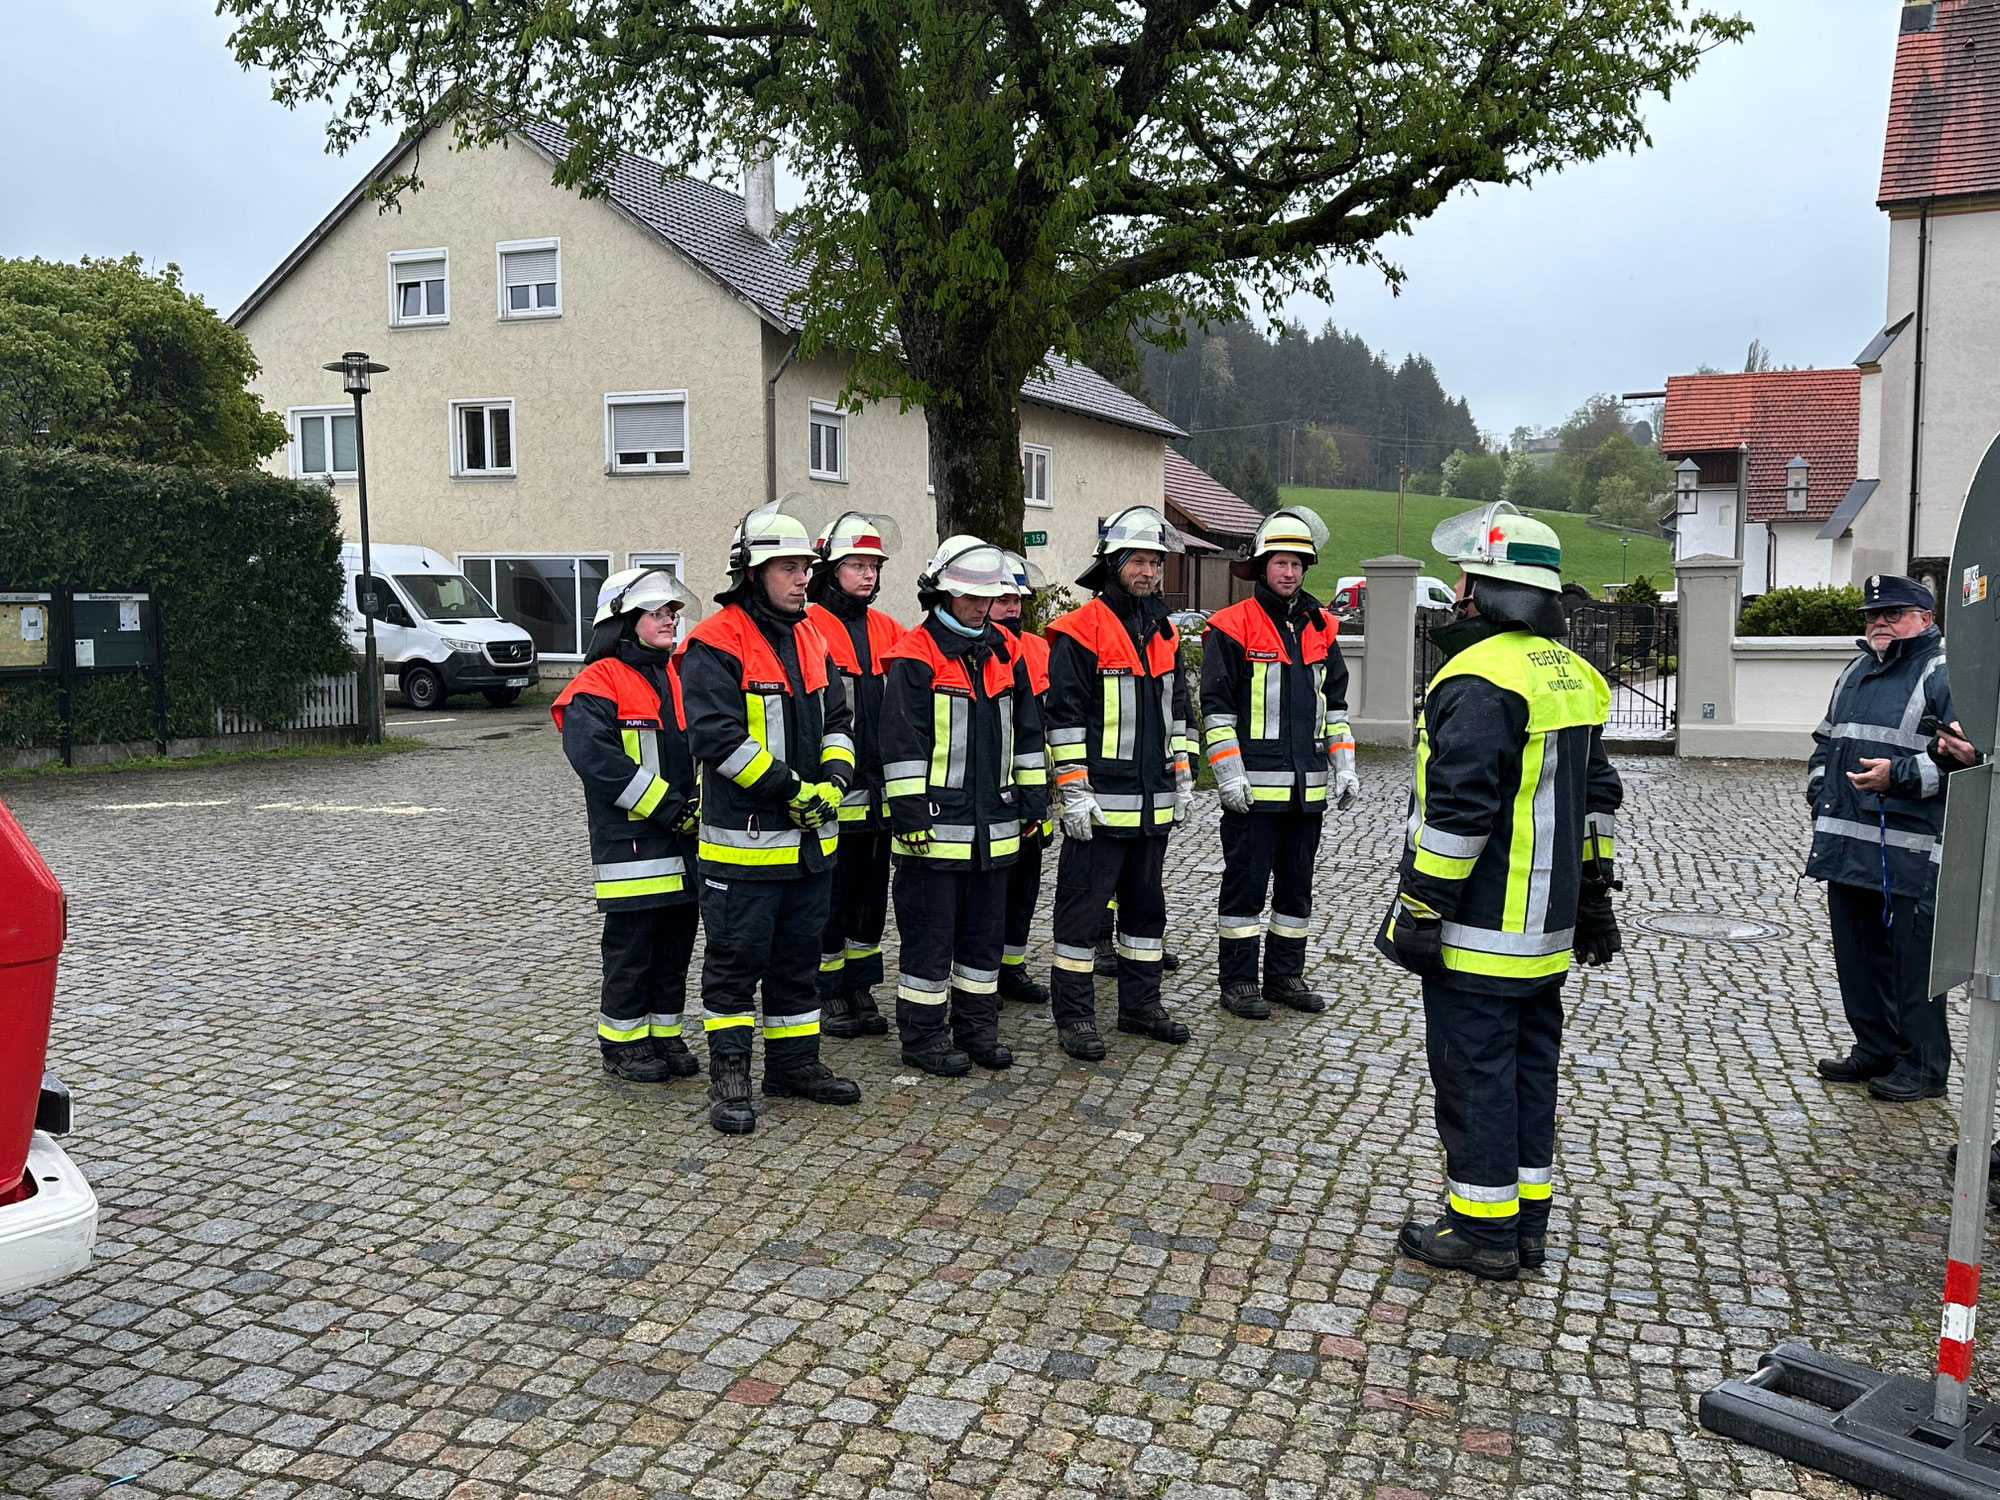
(517, 682)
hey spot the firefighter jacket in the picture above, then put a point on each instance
(1874, 713)
(1274, 695)
(624, 735)
(763, 705)
(857, 637)
(1513, 794)
(1032, 651)
(1117, 713)
(962, 747)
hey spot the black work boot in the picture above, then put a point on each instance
(1153, 1022)
(672, 1051)
(1905, 1086)
(1534, 1251)
(1992, 1171)
(812, 1080)
(1016, 985)
(837, 1017)
(988, 1052)
(635, 1062)
(1853, 1068)
(1170, 960)
(1442, 1246)
(1294, 993)
(940, 1058)
(729, 1108)
(1242, 999)
(869, 1020)
(1081, 1041)
(1105, 963)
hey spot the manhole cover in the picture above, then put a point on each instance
(1707, 928)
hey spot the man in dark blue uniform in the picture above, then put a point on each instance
(1876, 787)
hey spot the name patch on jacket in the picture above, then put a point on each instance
(1114, 671)
(767, 687)
(1262, 656)
(945, 690)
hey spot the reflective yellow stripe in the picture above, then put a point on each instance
(940, 738)
(832, 963)
(1597, 846)
(1521, 852)
(1438, 865)
(1120, 819)
(1108, 741)
(1507, 1209)
(653, 885)
(904, 787)
(1035, 777)
(1505, 966)
(719, 1023)
(1258, 671)
(650, 799)
(636, 1033)
(729, 854)
(759, 763)
(853, 814)
(773, 1033)
(629, 738)
(836, 752)
(1007, 846)
(937, 849)
(672, 1028)
(1068, 752)
(1536, 1191)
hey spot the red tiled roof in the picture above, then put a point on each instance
(1944, 107)
(1814, 414)
(1208, 504)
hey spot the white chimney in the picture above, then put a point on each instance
(760, 198)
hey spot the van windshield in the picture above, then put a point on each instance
(445, 596)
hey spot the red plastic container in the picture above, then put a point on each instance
(33, 922)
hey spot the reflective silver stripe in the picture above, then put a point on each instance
(1319, 695)
(1127, 949)
(745, 838)
(1507, 944)
(1172, 729)
(1605, 825)
(1927, 775)
(1008, 760)
(740, 758)
(836, 741)
(1128, 717)
(649, 750)
(643, 869)
(1271, 778)
(1237, 924)
(1066, 736)
(1315, 778)
(952, 833)
(1536, 1176)
(1120, 801)
(1077, 960)
(921, 991)
(1913, 711)
(1274, 700)
(1541, 869)
(1219, 721)
(1286, 926)
(1027, 762)
(857, 796)
(1817, 774)
(1014, 951)
(621, 1024)
(1474, 1194)
(905, 770)
(774, 726)
(1882, 734)
(1143, 944)
(1451, 845)
(975, 981)
(1011, 829)
(961, 724)
(634, 790)
(1869, 833)
(664, 1023)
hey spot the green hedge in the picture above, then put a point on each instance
(1797, 611)
(246, 567)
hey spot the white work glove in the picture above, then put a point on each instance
(1183, 791)
(1079, 812)
(1236, 794)
(1346, 785)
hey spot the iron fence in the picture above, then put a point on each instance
(1635, 646)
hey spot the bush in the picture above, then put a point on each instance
(1425, 484)
(246, 567)
(1814, 611)
(1639, 591)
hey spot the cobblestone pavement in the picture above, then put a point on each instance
(375, 1223)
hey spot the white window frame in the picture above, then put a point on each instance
(408, 257)
(671, 562)
(1047, 456)
(642, 398)
(814, 411)
(524, 315)
(456, 427)
(293, 416)
(585, 607)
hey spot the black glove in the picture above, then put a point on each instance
(690, 817)
(1597, 938)
(1419, 945)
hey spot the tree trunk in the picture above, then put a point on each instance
(976, 453)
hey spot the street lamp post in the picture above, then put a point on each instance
(354, 369)
(1624, 556)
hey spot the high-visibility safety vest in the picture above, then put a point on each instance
(962, 752)
(1280, 717)
(863, 803)
(751, 724)
(632, 757)
(1513, 792)
(1116, 720)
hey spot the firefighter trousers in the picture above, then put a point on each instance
(1024, 890)
(1260, 851)
(646, 955)
(764, 933)
(1493, 1070)
(948, 967)
(1088, 875)
(1884, 973)
(850, 946)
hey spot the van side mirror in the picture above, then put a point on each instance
(372, 598)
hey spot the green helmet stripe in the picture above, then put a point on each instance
(1529, 552)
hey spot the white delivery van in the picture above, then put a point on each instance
(435, 633)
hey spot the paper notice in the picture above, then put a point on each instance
(31, 622)
(128, 614)
(86, 652)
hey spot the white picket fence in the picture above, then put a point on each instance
(329, 703)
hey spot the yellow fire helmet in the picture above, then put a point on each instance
(1497, 541)
(1293, 529)
(769, 532)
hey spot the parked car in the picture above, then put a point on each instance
(48, 1214)
(435, 633)
(1189, 622)
(1350, 593)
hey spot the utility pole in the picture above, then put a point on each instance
(1402, 479)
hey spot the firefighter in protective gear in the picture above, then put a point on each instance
(1506, 875)
(622, 730)
(1118, 744)
(1024, 876)
(845, 581)
(767, 723)
(963, 767)
(1274, 718)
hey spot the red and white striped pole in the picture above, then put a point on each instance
(1968, 1204)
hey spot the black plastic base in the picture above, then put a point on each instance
(1870, 1429)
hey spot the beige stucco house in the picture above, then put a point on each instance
(580, 385)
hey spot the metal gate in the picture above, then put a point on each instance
(1635, 646)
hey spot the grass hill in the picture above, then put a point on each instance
(1363, 523)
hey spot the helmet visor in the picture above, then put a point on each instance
(1139, 528)
(659, 589)
(784, 527)
(858, 533)
(1471, 537)
(982, 572)
(1028, 577)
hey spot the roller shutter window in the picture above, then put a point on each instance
(418, 290)
(531, 281)
(648, 433)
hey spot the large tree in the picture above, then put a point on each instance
(992, 179)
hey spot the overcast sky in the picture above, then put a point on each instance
(125, 125)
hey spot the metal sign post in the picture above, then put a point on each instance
(1894, 1433)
